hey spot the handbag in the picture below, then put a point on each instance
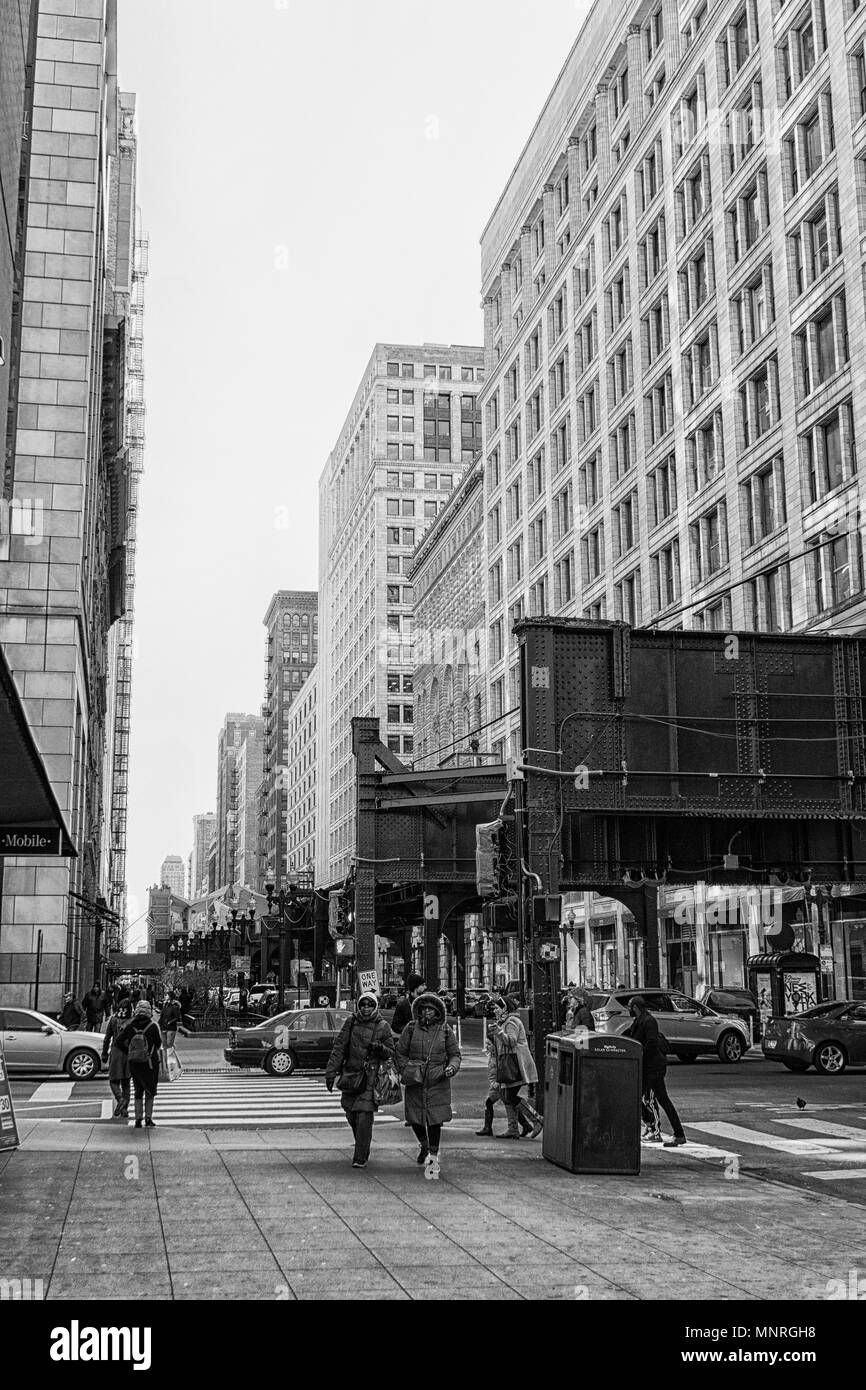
(508, 1071)
(386, 1087)
(169, 1064)
(415, 1073)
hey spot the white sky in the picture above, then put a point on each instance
(297, 212)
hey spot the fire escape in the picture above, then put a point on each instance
(135, 431)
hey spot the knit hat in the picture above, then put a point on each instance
(413, 981)
(366, 995)
(511, 1002)
(142, 1007)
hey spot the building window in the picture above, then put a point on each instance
(837, 570)
(592, 547)
(700, 367)
(626, 599)
(688, 117)
(557, 316)
(515, 563)
(708, 538)
(514, 502)
(659, 408)
(560, 445)
(623, 447)
(828, 452)
(535, 476)
(656, 330)
(564, 580)
(768, 601)
(693, 195)
(662, 490)
(625, 525)
(562, 513)
(754, 309)
(652, 253)
(494, 524)
(736, 44)
(495, 643)
(744, 126)
(538, 598)
(705, 455)
(615, 229)
(821, 347)
(815, 243)
(759, 402)
(588, 480)
(584, 274)
(808, 145)
(620, 371)
(762, 501)
(496, 582)
(537, 539)
(393, 368)
(749, 217)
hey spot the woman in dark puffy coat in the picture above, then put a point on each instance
(118, 1068)
(363, 1042)
(427, 1057)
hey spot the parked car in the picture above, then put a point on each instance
(690, 1028)
(829, 1038)
(296, 1039)
(742, 1003)
(34, 1042)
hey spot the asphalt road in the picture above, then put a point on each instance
(743, 1118)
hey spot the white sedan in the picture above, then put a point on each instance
(33, 1042)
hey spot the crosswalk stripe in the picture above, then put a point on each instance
(249, 1101)
(50, 1092)
(826, 1127)
(837, 1174)
(759, 1139)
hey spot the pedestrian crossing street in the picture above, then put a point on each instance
(244, 1099)
(810, 1138)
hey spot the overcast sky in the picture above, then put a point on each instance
(313, 177)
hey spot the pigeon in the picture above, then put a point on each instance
(801, 1104)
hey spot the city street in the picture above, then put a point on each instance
(245, 1189)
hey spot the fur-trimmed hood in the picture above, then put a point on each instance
(428, 1000)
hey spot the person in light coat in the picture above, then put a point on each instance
(509, 1037)
(428, 1055)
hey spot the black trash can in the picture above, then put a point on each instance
(592, 1090)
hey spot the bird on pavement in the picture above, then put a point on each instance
(801, 1104)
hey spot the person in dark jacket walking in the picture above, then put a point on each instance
(72, 1014)
(645, 1030)
(363, 1042)
(415, 985)
(169, 1020)
(428, 1056)
(94, 1008)
(141, 1041)
(118, 1068)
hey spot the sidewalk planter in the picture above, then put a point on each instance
(592, 1088)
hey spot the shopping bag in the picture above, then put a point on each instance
(386, 1087)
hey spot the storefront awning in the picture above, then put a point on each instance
(31, 822)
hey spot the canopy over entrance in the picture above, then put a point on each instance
(31, 822)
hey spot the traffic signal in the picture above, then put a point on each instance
(344, 947)
(488, 855)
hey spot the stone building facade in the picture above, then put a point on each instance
(58, 586)
(448, 576)
(674, 306)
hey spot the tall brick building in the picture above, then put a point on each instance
(673, 301)
(238, 795)
(412, 429)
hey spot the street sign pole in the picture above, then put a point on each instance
(39, 940)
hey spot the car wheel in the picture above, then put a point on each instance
(280, 1062)
(796, 1066)
(830, 1059)
(82, 1064)
(730, 1047)
(687, 1056)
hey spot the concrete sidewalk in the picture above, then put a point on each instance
(271, 1214)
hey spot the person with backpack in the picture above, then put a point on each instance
(169, 1020)
(645, 1030)
(141, 1041)
(515, 1068)
(428, 1055)
(364, 1041)
(118, 1067)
